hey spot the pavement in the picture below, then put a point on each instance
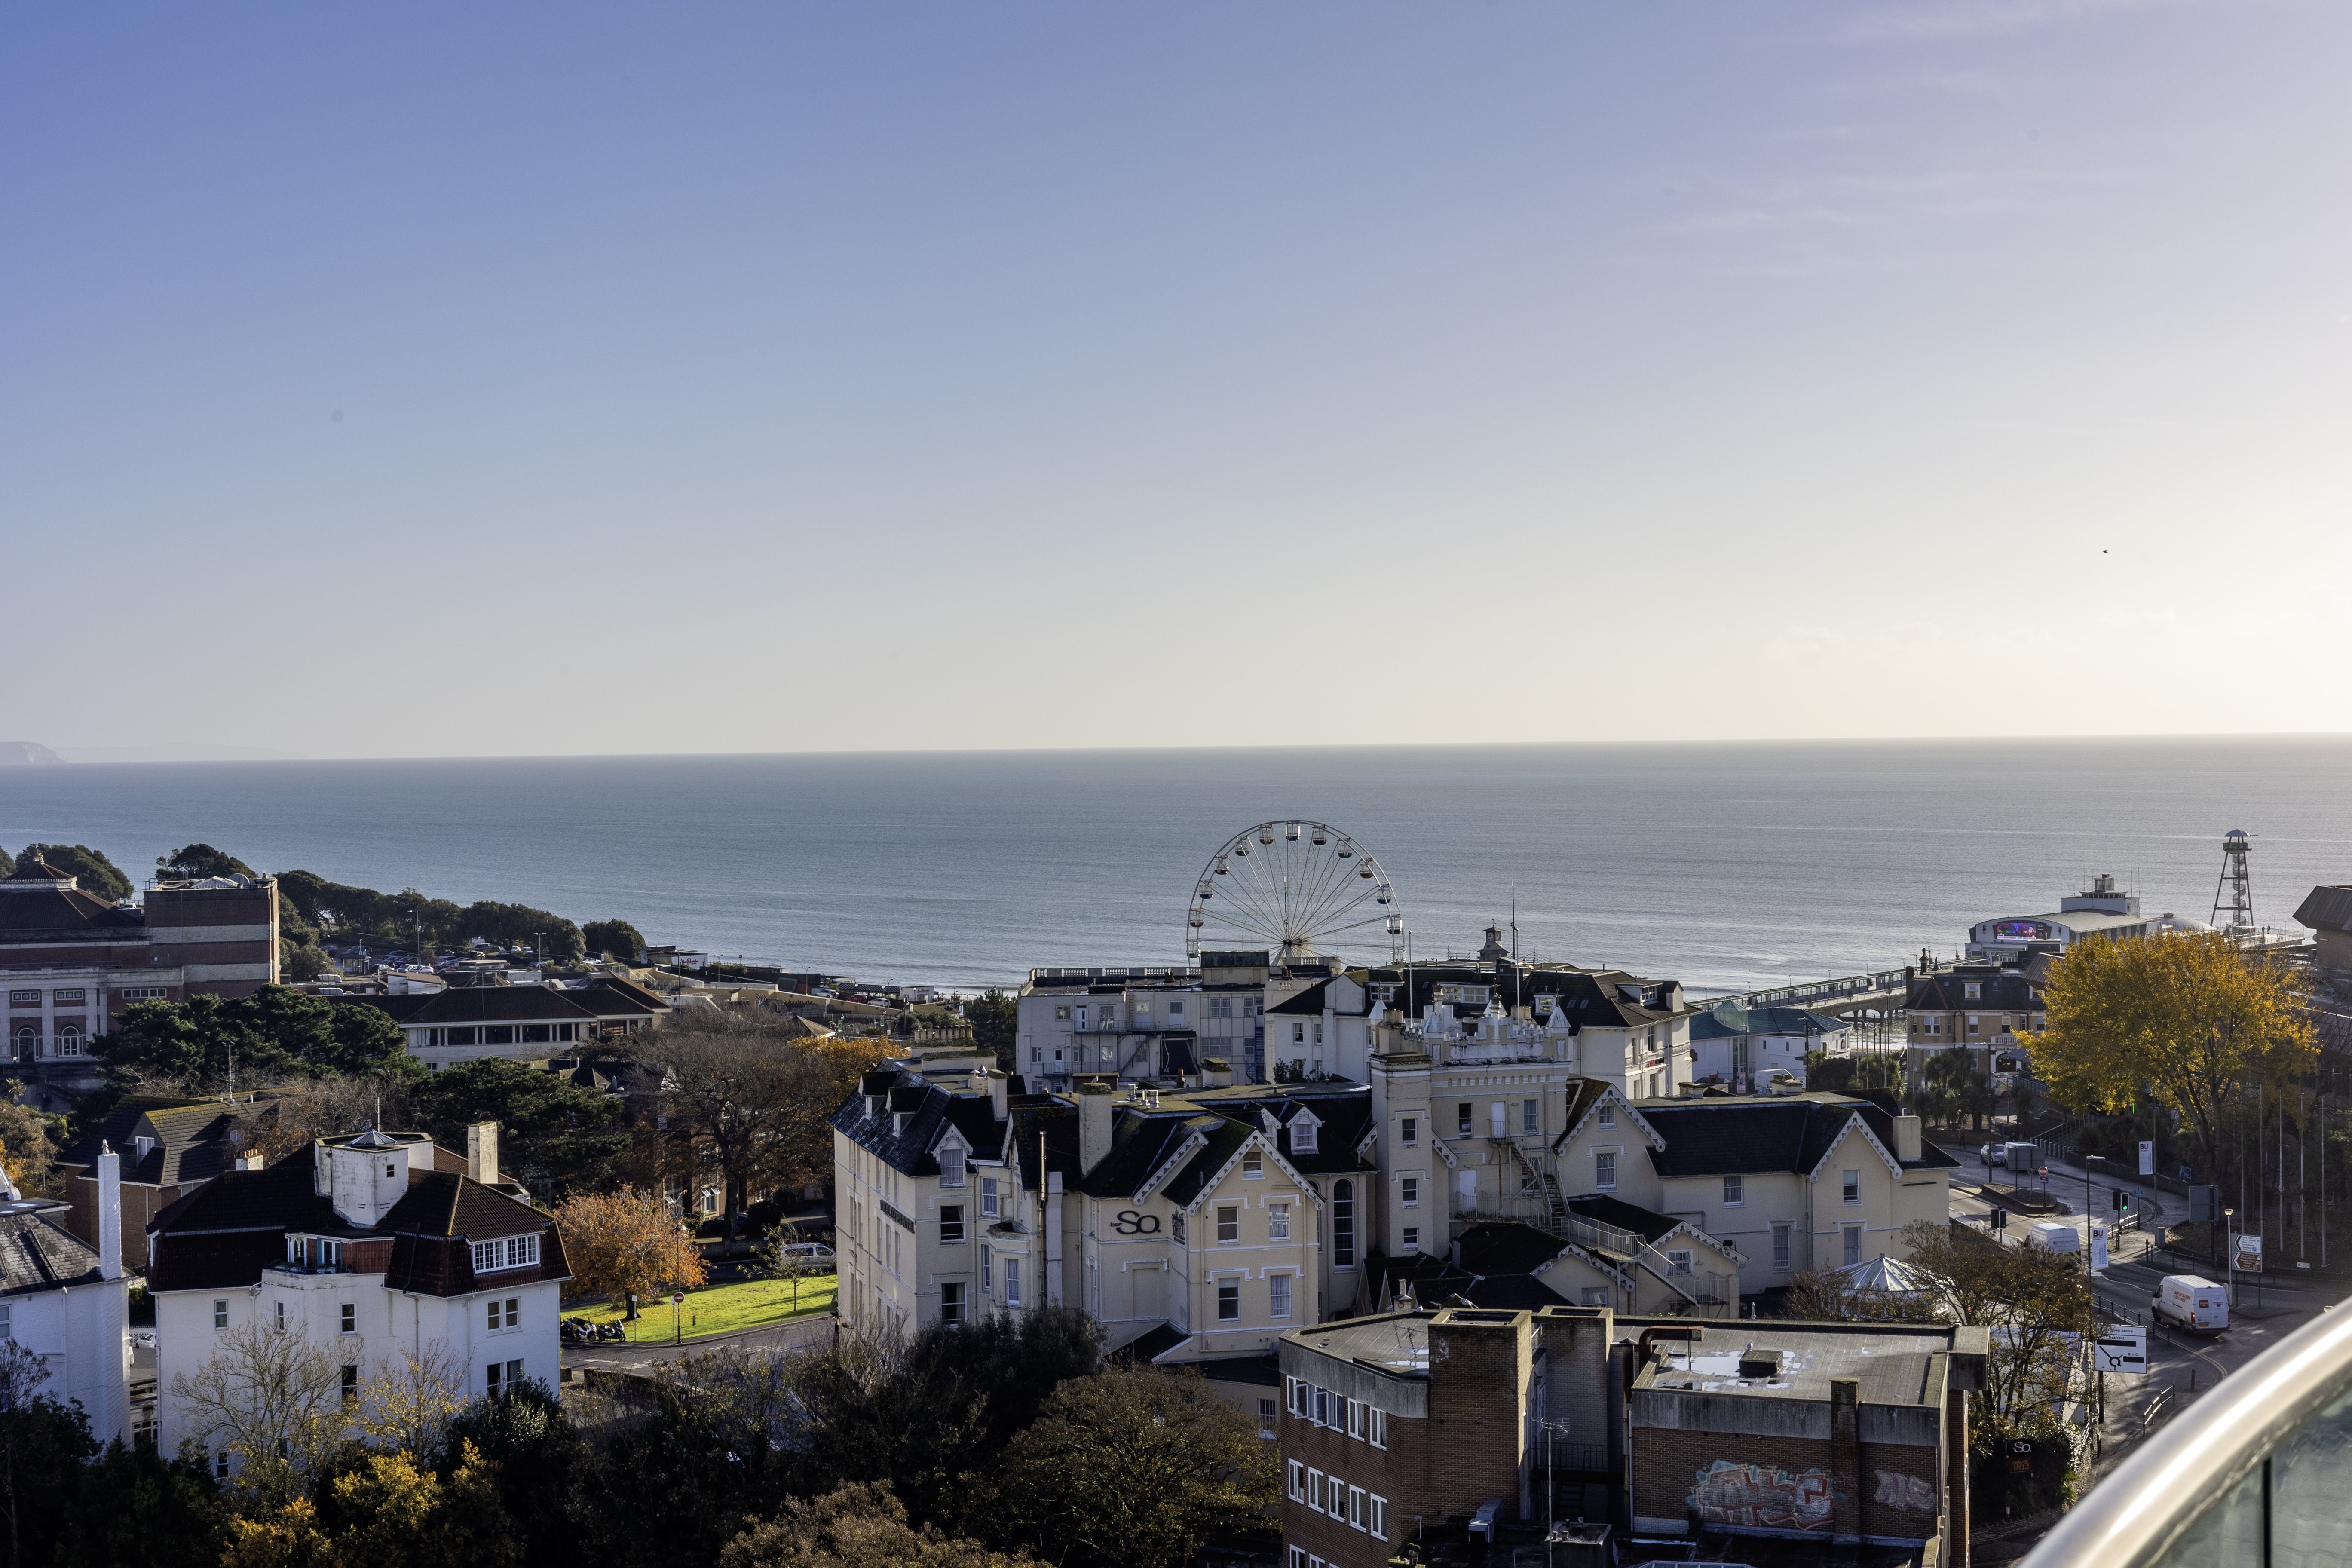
(814, 1331)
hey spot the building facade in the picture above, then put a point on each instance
(67, 1300)
(370, 1245)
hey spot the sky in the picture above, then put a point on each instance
(440, 380)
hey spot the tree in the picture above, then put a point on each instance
(995, 1020)
(614, 939)
(28, 1142)
(554, 1133)
(196, 860)
(777, 1260)
(2189, 1020)
(43, 1445)
(2040, 1303)
(272, 1398)
(854, 1525)
(387, 1511)
(1956, 1086)
(136, 1506)
(273, 1031)
(410, 1402)
(519, 925)
(749, 1097)
(96, 874)
(1135, 1467)
(540, 1457)
(1825, 1295)
(626, 1243)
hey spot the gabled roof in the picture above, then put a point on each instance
(2326, 908)
(610, 996)
(1587, 1095)
(194, 1140)
(1140, 1144)
(1224, 1139)
(1948, 991)
(36, 1253)
(1738, 1135)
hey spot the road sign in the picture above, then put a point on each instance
(2123, 1347)
(2248, 1253)
(2098, 1247)
(678, 1300)
(2147, 1158)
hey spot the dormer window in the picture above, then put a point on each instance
(507, 1252)
(950, 1165)
(1975, 991)
(897, 1122)
(1302, 1135)
(872, 1105)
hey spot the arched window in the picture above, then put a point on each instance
(69, 1039)
(29, 1042)
(1343, 1224)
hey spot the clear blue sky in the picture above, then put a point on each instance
(434, 380)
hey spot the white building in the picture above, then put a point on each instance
(2100, 909)
(1741, 1048)
(68, 1303)
(374, 1245)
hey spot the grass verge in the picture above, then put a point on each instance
(718, 1310)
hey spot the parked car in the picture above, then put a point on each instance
(815, 1251)
(1994, 1154)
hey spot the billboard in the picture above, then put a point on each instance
(2022, 931)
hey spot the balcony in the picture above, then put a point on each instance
(2252, 1474)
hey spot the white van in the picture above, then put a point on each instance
(2187, 1301)
(2055, 1235)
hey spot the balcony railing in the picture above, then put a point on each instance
(2254, 1473)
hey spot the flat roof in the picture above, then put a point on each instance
(1892, 1366)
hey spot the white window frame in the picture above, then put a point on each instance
(988, 1206)
(1608, 1115)
(1315, 1490)
(1297, 1478)
(1278, 1222)
(1409, 1192)
(1735, 1192)
(1376, 1426)
(1376, 1517)
(1783, 1246)
(1224, 1283)
(1409, 1131)
(1278, 1297)
(502, 1253)
(1229, 1225)
(1355, 1506)
(1604, 1170)
(1253, 1164)
(952, 1168)
(1850, 1187)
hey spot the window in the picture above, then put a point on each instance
(1176, 1225)
(1356, 1419)
(508, 1252)
(1376, 1517)
(76, 994)
(220, 1465)
(1527, 1114)
(1265, 1417)
(1298, 1034)
(1322, 1407)
(1343, 1225)
(1596, 1296)
(1061, 1015)
(1461, 1121)
(492, 1315)
(352, 1319)
(1852, 1243)
(1278, 1222)
(24, 998)
(1604, 1169)
(1277, 1296)
(7, 1320)
(1974, 992)
(1339, 1497)
(950, 1166)
(1679, 1261)
(1781, 1248)
(1315, 1490)
(1409, 1131)
(69, 1039)
(1355, 1506)
(1376, 1426)
(1229, 1226)
(952, 1301)
(1175, 1009)
(1253, 1164)
(1853, 1186)
(1409, 1192)
(1013, 1282)
(281, 1314)
(350, 1386)
(1302, 1135)
(1734, 1191)
(1413, 1235)
(514, 1311)
(1294, 1390)
(1229, 1300)
(988, 1197)
(534, 1034)
(1608, 1117)
(1297, 1489)
(220, 1314)
(987, 1269)
(950, 1222)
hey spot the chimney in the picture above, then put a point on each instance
(110, 1212)
(482, 1152)
(1845, 1457)
(1907, 1138)
(1093, 1124)
(248, 1162)
(1220, 1072)
(999, 1089)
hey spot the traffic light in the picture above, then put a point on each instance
(2123, 1200)
(2001, 1219)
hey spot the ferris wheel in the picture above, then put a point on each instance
(1299, 887)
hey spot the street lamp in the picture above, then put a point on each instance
(2229, 1260)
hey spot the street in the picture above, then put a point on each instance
(802, 1333)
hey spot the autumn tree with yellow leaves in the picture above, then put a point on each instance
(2189, 1021)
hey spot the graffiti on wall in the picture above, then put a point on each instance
(1760, 1497)
(1896, 1490)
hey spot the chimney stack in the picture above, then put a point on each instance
(482, 1152)
(110, 1212)
(999, 1091)
(1220, 1073)
(1093, 1124)
(1907, 1138)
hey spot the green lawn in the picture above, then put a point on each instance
(720, 1309)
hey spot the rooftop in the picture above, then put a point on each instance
(1893, 1366)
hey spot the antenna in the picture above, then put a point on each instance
(2234, 895)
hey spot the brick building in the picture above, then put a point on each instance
(1432, 1423)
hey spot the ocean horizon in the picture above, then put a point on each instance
(1729, 865)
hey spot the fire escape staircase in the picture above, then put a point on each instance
(1557, 1219)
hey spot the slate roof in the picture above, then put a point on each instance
(1948, 991)
(40, 906)
(1507, 1247)
(1514, 1293)
(1226, 1140)
(928, 1110)
(1149, 1343)
(36, 1253)
(194, 1141)
(1140, 1142)
(1734, 1136)
(229, 1230)
(1645, 1223)
(1308, 1001)
(1343, 1113)
(480, 1004)
(2326, 908)
(611, 997)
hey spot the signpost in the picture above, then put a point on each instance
(2247, 1254)
(676, 1300)
(2123, 1347)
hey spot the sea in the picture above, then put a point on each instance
(1726, 865)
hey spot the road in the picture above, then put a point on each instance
(2188, 1364)
(802, 1333)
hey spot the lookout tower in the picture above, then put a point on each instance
(2233, 896)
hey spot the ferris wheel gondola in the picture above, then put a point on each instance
(1295, 889)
